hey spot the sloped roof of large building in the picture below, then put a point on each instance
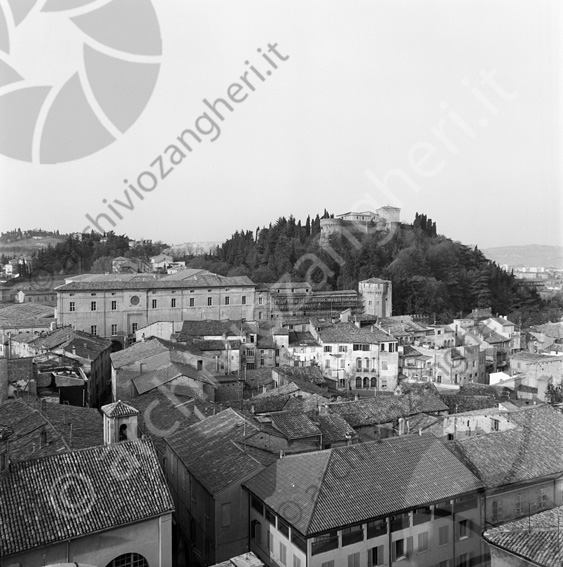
(67, 496)
(536, 538)
(321, 491)
(213, 450)
(143, 281)
(532, 450)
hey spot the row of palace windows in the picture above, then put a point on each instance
(154, 303)
(347, 536)
(383, 347)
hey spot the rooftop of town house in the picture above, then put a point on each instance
(294, 425)
(418, 388)
(311, 374)
(554, 330)
(385, 409)
(526, 356)
(488, 335)
(78, 343)
(35, 513)
(215, 344)
(214, 328)
(501, 321)
(146, 282)
(532, 450)
(302, 338)
(162, 412)
(41, 428)
(152, 379)
(325, 490)
(334, 428)
(458, 403)
(350, 333)
(535, 539)
(296, 386)
(148, 348)
(26, 312)
(213, 450)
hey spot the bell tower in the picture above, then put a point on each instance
(120, 422)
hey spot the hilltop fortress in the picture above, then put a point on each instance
(365, 222)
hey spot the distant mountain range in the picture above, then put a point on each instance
(531, 255)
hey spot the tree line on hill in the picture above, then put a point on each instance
(431, 274)
(91, 252)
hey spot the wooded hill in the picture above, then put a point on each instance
(431, 274)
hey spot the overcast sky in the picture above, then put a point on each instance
(448, 108)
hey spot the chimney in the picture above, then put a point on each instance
(401, 426)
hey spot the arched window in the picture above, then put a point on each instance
(366, 363)
(129, 560)
(374, 382)
(366, 382)
(358, 363)
(358, 383)
(123, 432)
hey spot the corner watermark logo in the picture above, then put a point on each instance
(75, 75)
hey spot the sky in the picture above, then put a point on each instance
(451, 109)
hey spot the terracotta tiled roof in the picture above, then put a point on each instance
(119, 409)
(211, 450)
(302, 338)
(267, 404)
(161, 413)
(211, 328)
(532, 450)
(41, 428)
(294, 425)
(67, 496)
(349, 333)
(334, 428)
(149, 348)
(385, 409)
(147, 282)
(325, 490)
(536, 539)
(155, 378)
(458, 403)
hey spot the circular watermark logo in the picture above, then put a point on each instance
(72, 495)
(74, 75)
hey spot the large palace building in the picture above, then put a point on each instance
(117, 305)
